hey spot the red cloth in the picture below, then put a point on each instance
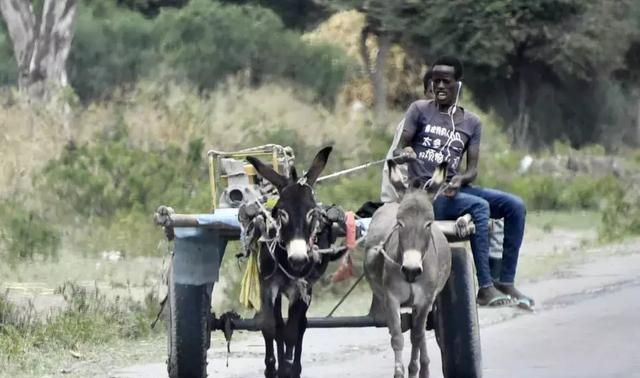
(345, 270)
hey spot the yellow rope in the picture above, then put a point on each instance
(250, 284)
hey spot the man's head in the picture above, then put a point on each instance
(445, 78)
(428, 84)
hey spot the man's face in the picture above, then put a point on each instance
(444, 85)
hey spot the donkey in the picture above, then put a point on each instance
(407, 264)
(290, 265)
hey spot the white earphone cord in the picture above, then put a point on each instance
(452, 111)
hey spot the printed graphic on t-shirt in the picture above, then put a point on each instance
(442, 144)
(437, 139)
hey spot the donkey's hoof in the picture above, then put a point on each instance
(270, 372)
(286, 371)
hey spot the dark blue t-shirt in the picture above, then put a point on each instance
(436, 139)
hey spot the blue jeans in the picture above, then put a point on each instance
(484, 204)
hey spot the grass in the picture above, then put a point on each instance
(104, 322)
(579, 220)
(88, 320)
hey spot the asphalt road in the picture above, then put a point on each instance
(588, 335)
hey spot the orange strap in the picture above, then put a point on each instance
(350, 222)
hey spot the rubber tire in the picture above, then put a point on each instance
(456, 320)
(188, 329)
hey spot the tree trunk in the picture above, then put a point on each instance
(380, 80)
(638, 122)
(520, 128)
(376, 73)
(41, 47)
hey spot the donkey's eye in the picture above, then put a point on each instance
(310, 216)
(400, 223)
(284, 216)
(428, 224)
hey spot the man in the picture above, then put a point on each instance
(438, 130)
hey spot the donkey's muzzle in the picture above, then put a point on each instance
(297, 253)
(298, 261)
(411, 273)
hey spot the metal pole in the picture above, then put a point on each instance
(346, 171)
(344, 297)
(319, 322)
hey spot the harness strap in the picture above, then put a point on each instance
(386, 240)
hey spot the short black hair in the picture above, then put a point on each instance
(450, 61)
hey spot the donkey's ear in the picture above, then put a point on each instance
(268, 173)
(440, 174)
(319, 162)
(396, 179)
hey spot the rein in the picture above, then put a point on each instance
(273, 242)
(386, 240)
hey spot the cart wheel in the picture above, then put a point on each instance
(188, 329)
(456, 320)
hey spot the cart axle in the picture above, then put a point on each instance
(232, 321)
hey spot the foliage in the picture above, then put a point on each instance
(193, 45)
(532, 57)
(25, 234)
(8, 67)
(112, 47)
(98, 180)
(88, 318)
(151, 8)
(296, 14)
(621, 215)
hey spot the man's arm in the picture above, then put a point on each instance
(408, 132)
(473, 156)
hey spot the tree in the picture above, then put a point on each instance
(522, 53)
(150, 8)
(389, 22)
(40, 43)
(206, 42)
(295, 14)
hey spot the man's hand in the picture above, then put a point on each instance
(404, 155)
(454, 186)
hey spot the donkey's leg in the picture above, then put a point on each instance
(279, 328)
(269, 334)
(297, 310)
(297, 362)
(392, 309)
(414, 366)
(419, 355)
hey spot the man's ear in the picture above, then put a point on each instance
(268, 173)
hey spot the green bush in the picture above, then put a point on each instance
(88, 318)
(112, 175)
(111, 47)
(25, 234)
(106, 192)
(254, 41)
(620, 215)
(8, 66)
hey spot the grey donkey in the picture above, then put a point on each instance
(407, 263)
